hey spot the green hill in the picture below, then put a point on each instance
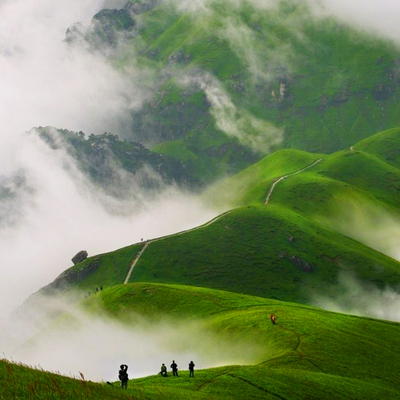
(309, 353)
(354, 192)
(368, 171)
(295, 246)
(265, 251)
(384, 145)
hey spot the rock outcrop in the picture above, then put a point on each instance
(82, 255)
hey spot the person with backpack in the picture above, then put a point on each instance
(174, 367)
(191, 369)
(123, 376)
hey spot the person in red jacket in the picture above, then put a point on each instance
(272, 317)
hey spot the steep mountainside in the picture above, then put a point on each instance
(109, 161)
(234, 81)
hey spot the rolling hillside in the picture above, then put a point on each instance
(286, 104)
(308, 354)
(354, 192)
(290, 249)
(368, 170)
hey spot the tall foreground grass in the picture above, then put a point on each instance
(18, 381)
(22, 382)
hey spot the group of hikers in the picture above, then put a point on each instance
(123, 372)
(174, 367)
(88, 294)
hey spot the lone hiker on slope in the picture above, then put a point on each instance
(272, 317)
(191, 369)
(123, 376)
(163, 370)
(174, 367)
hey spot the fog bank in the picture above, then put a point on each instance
(96, 345)
(48, 209)
(363, 299)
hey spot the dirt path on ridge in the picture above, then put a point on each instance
(287, 176)
(140, 253)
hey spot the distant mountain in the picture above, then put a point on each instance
(236, 82)
(110, 162)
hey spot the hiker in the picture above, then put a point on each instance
(174, 367)
(272, 317)
(191, 369)
(123, 376)
(164, 371)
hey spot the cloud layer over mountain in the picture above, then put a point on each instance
(49, 210)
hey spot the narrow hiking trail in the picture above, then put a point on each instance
(148, 242)
(287, 176)
(135, 262)
(140, 253)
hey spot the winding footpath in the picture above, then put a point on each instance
(148, 242)
(140, 253)
(287, 176)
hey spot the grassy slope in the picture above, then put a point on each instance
(251, 250)
(368, 172)
(105, 270)
(285, 250)
(265, 251)
(22, 382)
(309, 354)
(384, 145)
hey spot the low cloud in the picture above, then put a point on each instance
(375, 18)
(60, 212)
(363, 299)
(143, 344)
(250, 131)
(49, 210)
(369, 224)
(372, 17)
(262, 63)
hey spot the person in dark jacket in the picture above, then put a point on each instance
(174, 367)
(191, 369)
(164, 370)
(123, 376)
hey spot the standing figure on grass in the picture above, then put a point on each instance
(163, 371)
(174, 367)
(272, 317)
(191, 368)
(123, 376)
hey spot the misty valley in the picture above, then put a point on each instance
(199, 199)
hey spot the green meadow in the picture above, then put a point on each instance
(308, 354)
